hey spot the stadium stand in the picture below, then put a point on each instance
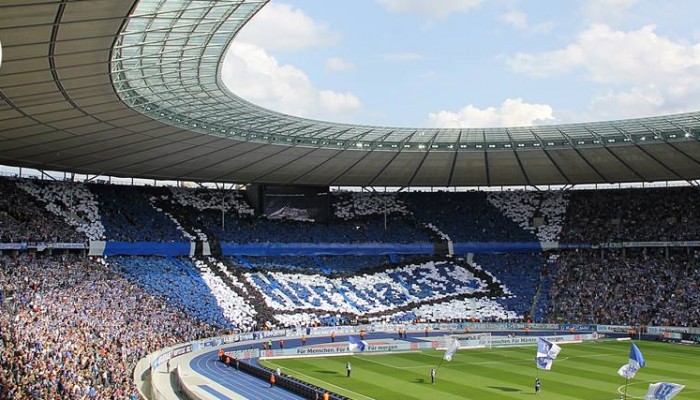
(242, 292)
(281, 263)
(354, 205)
(541, 213)
(658, 214)
(27, 217)
(465, 217)
(636, 288)
(128, 215)
(520, 272)
(374, 293)
(325, 264)
(74, 328)
(70, 201)
(179, 282)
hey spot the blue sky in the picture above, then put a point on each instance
(469, 63)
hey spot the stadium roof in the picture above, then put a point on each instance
(133, 88)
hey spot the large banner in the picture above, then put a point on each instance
(41, 246)
(13, 246)
(615, 328)
(532, 340)
(318, 249)
(147, 249)
(373, 346)
(495, 247)
(659, 330)
(379, 346)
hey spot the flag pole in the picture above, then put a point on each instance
(438, 366)
(626, 382)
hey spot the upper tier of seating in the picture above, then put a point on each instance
(67, 211)
(599, 216)
(465, 217)
(128, 215)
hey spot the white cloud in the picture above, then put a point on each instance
(283, 27)
(640, 69)
(438, 9)
(636, 102)
(431, 74)
(338, 103)
(520, 21)
(253, 74)
(612, 56)
(339, 64)
(516, 18)
(513, 112)
(406, 56)
(610, 11)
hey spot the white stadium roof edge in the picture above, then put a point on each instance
(133, 89)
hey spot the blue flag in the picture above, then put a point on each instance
(355, 344)
(547, 352)
(635, 362)
(663, 391)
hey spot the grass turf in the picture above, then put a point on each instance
(582, 371)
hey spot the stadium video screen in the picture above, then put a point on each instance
(299, 203)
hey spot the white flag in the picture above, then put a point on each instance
(454, 346)
(663, 391)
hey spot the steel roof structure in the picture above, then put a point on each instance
(133, 88)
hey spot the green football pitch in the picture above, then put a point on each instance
(582, 371)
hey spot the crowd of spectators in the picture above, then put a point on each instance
(71, 202)
(325, 264)
(45, 210)
(659, 214)
(73, 329)
(588, 287)
(681, 306)
(128, 215)
(355, 205)
(190, 207)
(465, 217)
(262, 230)
(380, 292)
(349, 264)
(25, 219)
(478, 309)
(520, 272)
(236, 308)
(541, 213)
(179, 281)
(230, 201)
(281, 263)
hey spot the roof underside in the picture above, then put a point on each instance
(129, 88)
